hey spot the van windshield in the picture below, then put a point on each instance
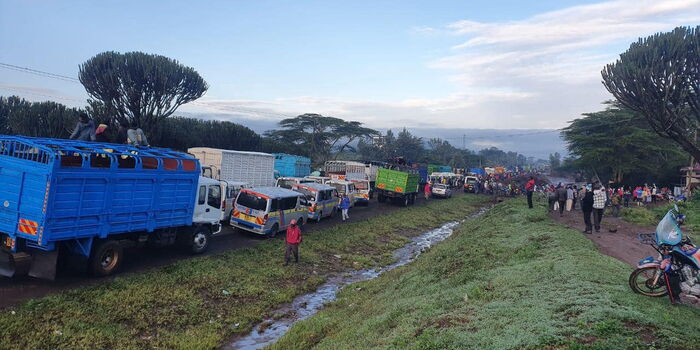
(339, 187)
(286, 183)
(471, 181)
(251, 201)
(309, 195)
(361, 185)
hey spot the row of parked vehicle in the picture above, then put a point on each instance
(89, 201)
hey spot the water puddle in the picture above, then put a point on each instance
(304, 306)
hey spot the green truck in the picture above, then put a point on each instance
(397, 185)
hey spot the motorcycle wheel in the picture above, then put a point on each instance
(641, 281)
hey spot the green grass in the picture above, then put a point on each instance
(203, 302)
(650, 216)
(512, 279)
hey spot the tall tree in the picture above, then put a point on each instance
(555, 160)
(658, 77)
(138, 87)
(617, 145)
(321, 136)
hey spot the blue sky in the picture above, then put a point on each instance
(481, 64)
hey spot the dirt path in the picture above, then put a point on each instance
(13, 291)
(622, 245)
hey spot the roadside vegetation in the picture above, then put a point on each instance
(512, 279)
(651, 215)
(201, 303)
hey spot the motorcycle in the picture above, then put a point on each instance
(676, 268)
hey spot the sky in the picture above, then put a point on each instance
(389, 64)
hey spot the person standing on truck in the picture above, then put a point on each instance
(292, 241)
(136, 137)
(100, 135)
(426, 191)
(84, 130)
(529, 188)
(345, 206)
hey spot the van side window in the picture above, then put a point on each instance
(274, 204)
(214, 197)
(322, 195)
(202, 195)
(288, 203)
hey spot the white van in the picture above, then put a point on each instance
(322, 199)
(230, 190)
(345, 187)
(268, 210)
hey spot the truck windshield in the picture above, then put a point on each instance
(251, 201)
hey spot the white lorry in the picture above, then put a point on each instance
(236, 170)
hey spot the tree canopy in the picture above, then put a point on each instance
(140, 88)
(658, 77)
(318, 137)
(39, 119)
(617, 145)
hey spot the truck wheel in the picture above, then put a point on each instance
(412, 200)
(200, 240)
(106, 258)
(381, 198)
(273, 232)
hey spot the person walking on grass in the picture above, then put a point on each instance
(587, 208)
(561, 198)
(345, 206)
(426, 191)
(599, 199)
(292, 241)
(529, 188)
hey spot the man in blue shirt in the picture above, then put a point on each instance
(344, 206)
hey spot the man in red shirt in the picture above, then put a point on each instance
(426, 191)
(293, 240)
(530, 187)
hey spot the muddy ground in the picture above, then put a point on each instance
(13, 291)
(622, 245)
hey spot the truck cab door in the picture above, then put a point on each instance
(208, 207)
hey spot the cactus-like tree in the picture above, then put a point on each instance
(140, 88)
(659, 78)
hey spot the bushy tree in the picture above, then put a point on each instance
(658, 77)
(37, 119)
(616, 144)
(138, 88)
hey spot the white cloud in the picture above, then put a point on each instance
(537, 72)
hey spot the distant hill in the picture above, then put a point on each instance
(538, 143)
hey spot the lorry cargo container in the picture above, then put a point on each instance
(91, 200)
(344, 170)
(254, 168)
(400, 185)
(287, 165)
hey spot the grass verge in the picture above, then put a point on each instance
(651, 215)
(202, 302)
(512, 279)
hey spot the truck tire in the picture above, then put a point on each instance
(381, 198)
(273, 232)
(412, 199)
(106, 258)
(199, 241)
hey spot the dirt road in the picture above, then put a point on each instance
(622, 245)
(14, 291)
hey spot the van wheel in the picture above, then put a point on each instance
(200, 240)
(273, 232)
(320, 215)
(106, 258)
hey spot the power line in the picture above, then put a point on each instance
(38, 72)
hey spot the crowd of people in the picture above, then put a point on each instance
(85, 130)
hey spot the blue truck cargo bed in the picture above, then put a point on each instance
(61, 190)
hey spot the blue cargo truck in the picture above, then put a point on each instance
(89, 201)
